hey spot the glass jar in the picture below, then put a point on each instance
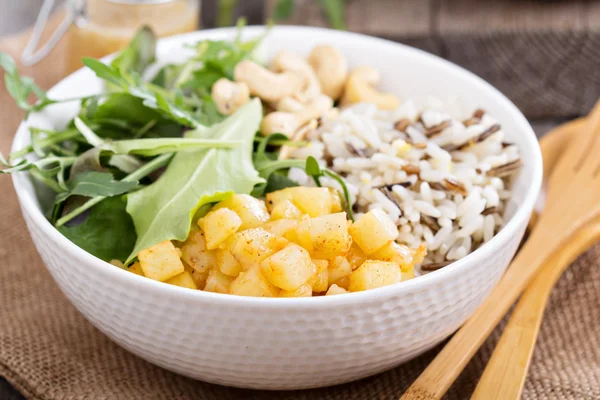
(102, 27)
(99, 27)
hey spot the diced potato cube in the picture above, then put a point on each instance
(314, 201)
(184, 279)
(320, 282)
(344, 282)
(329, 236)
(336, 201)
(274, 198)
(374, 274)
(227, 263)
(199, 278)
(302, 234)
(408, 275)
(218, 225)
(197, 237)
(196, 256)
(161, 261)
(419, 254)
(253, 283)
(136, 268)
(251, 210)
(397, 253)
(373, 230)
(303, 291)
(335, 289)
(252, 246)
(285, 209)
(355, 256)
(338, 268)
(282, 227)
(289, 268)
(217, 282)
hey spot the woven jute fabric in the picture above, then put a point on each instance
(49, 351)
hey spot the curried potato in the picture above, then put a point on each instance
(355, 256)
(274, 198)
(408, 275)
(335, 289)
(373, 231)
(251, 211)
(196, 256)
(282, 227)
(396, 253)
(253, 283)
(285, 209)
(302, 237)
(218, 225)
(136, 268)
(184, 279)
(289, 268)
(374, 274)
(199, 278)
(217, 282)
(329, 236)
(160, 262)
(303, 291)
(227, 263)
(320, 282)
(336, 201)
(338, 269)
(314, 201)
(252, 246)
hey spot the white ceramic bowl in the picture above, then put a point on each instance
(291, 343)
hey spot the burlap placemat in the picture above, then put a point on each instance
(49, 351)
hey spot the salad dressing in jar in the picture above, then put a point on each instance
(104, 26)
(97, 28)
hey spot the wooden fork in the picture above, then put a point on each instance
(506, 372)
(573, 199)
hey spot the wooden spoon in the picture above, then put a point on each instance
(506, 372)
(573, 201)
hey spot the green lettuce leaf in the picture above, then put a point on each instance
(107, 232)
(164, 209)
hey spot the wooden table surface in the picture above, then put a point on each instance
(462, 30)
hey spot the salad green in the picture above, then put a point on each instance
(141, 160)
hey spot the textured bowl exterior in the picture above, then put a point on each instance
(284, 343)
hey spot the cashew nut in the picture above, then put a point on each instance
(267, 85)
(288, 61)
(359, 89)
(331, 68)
(229, 96)
(289, 104)
(289, 122)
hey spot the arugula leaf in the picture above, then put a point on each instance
(164, 209)
(21, 87)
(132, 116)
(139, 54)
(93, 183)
(107, 232)
(277, 182)
(151, 96)
(283, 9)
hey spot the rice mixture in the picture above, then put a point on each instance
(443, 178)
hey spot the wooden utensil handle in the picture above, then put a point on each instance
(506, 371)
(449, 363)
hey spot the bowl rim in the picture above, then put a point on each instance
(522, 213)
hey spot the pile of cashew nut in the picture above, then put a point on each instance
(299, 90)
